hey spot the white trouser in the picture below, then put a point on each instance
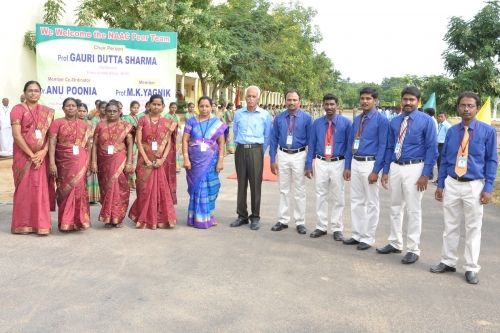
(329, 181)
(461, 203)
(291, 175)
(404, 195)
(364, 202)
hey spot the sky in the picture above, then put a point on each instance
(368, 40)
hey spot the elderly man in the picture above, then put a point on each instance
(289, 139)
(465, 183)
(410, 156)
(252, 127)
(6, 139)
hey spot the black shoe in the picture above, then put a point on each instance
(409, 258)
(301, 229)
(363, 246)
(279, 226)
(239, 222)
(337, 235)
(442, 268)
(350, 241)
(254, 223)
(317, 233)
(471, 277)
(388, 249)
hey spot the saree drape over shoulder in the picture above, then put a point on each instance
(154, 207)
(31, 197)
(72, 158)
(202, 178)
(113, 182)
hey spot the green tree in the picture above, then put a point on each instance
(472, 56)
(53, 11)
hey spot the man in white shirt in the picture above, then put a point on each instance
(6, 140)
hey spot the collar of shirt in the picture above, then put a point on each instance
(472, 124)
(258, 109)
(294, 113)
(334, 119)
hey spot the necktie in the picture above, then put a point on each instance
(401, 137)
(463, 152)
(361, 127)
(329, 139)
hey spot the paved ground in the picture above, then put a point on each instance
(237, 280)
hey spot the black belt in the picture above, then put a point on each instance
(462, 179)
(330, 159)
(409, 162)
(250, 145)
(364, 158)
(292, 151)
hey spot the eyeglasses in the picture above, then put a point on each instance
(466, 106)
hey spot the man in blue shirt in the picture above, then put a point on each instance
(442, 129)
(251, 127)
(364, 160)
(410, 156)
(465, 182)
(328, 146)
(289, 139)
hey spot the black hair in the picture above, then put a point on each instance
(190, 104)
(442, 112)
(368, 90)
(411, 90)
(29, 83)
(469, 94)
(134, 103)
(101, 103)
(292, 91)
(171, 103)
(205, 98)
(67, 99)
(430, 111)
(329, 97)
(83, 105)
(113, 103)
(97, 101)
(156, 96)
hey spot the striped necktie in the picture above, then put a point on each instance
(401, 137)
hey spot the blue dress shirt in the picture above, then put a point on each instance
(482, 159)
(373, 140)
(342, 128)
(420, 142)
(442, 129)
(300, 124)
(252, 127)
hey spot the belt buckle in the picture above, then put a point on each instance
(328, 159)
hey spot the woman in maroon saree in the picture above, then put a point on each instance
(30, 124)
(69, 159)
(112, 159)
(154, 207)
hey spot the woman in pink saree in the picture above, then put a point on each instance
(154, 207)
(112, 160)
(30, 124)
(69, 159)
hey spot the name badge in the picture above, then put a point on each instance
(154, 146)
(76, 150)
(462, 162)
(38, 134)
(111, 149)
(356, 144)
(397, 149)
(289, 139)
(203, 147)
(328, 150)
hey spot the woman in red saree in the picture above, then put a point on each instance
(112, 159)
(154, 207)
(30, 124)
(69, 159)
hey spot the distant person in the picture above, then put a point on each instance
(112, 157)
(154, 207)
(101, 115)
(95, 111)
(6, 139)
(252, 127)
(364, 161)
(410, 156)
(69, 160)
(203, 150)
(465, 185)
(327, 147)
(30, 125)
(289, 139)
(229, 119)
(442, 130)
(133, 120)
(190, 111)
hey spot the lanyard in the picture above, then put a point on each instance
(329, 138)
(203, 133)
(35, 120)
(362, 126)
(464, 147)
(290, 123)
(112, 142)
